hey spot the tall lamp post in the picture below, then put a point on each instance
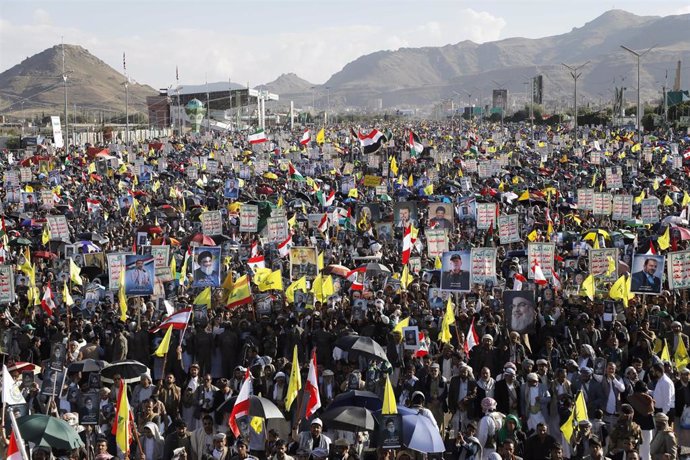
(638, 115)
(574, 73)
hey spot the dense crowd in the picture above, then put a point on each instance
(538, 353)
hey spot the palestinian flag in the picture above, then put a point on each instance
(294, 174)
(415, 144)
(258, 137)
(306, 137)
(371, 142)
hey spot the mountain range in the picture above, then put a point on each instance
(465, 72)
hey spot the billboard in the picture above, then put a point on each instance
(500, 99)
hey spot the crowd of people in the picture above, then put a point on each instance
(523, 290)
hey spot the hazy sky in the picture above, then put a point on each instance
(256, 41)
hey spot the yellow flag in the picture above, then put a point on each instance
(257, 424)
(588, 287)
(295, 383)
(122, 298)
(353, 193)
(410, 181)
(429, 189)
(280, 201)
(292, 221)
(655, 184)
(401, 324)
(321, 136)
(156, 185)
(319, 261)
(28, 189)
(406, 278)
(204, 298)
(665, 354)
(681, 357)
(260, 274)
(274, 281)
(578, 414)
(686, 199)
(533, 235)
(448, 319)
(122, 414)
(327, 289)
(390, 406)
(437, 263)
(617, 290)
(640, 197)
(596, 242)
(173, 267)
(227, 282)
(664, 240)
(524, 196)
(163, 348)
(45, 238)
(612, 266)
(300, 284)
(66, 296)
(394, 166)
(668, 201)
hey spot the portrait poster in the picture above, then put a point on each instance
(6, 284)
(411, 338)
(405, 214)
(542, 254)
(249, 218)
(88, 408)
(415, 265)
(139, 274)
(520, 311)
(599, 263)
(647, 273)
(436, 241)
(622, 207)
(678, 273)
(211, 223)
(649, 211)
(303, 262)
(369, 213)
(438, 298)
(58, 354)
(467, 208)
(455, 271)
(95, 259)
(390, 431)
(486, 215)
(206, 266)
(384, 231)
(116, 263)
(231, 189)
(53, 381)
(441, 216)
(483, 265)
(509, 228)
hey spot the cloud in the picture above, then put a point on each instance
(314, 54)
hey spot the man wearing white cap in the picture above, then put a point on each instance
(675, 337)
(312, 439)
(535, 401)
(489, 425)
(664, 444)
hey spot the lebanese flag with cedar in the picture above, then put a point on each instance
(312, 388)
(241, 407)
(407, 246)
(47, 302)
(518, 279)
(555, 279)
(284, 247)
(177, 320)
(539, 277)
(306, 137)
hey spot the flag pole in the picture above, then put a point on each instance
(17, 435)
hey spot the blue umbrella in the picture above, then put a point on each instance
(419, 432)
(88, 246)
(358, 398)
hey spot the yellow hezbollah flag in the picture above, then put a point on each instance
(274, 281)
(686, 199)
(319, 261)
(300, 284)
(401, 324)
(665, 354)
(204, 297)
(448, 319)
(66, 296)
(389, 404)
(640, 197)
(321, 136)
(163, 348)
(681, 357)
(122, 429)
(122, 298)
(394, 166)
(295, 383)
(668, 201)
(406, 278)
(578, 414)
(664, 240)
(588, 287)
(45, 238)
(241, 293)
(437, 263)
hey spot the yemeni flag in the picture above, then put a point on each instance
(311, 389)
(284, 247)
(415, 144)
(371, 142)
(407, 246)
(177, 320)
(93, 205)
(306, 137)
(258, 137)
(472, 338)
(294, 174)
(241, 407)
(323, 224)
(47, 302)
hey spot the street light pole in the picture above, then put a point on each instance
(64, 80)
(638, 115)
(574, 73)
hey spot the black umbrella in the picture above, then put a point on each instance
(348, 418)
(87, 365)
(357, 345)
(360, 398)
(130, 370)
(258, 407)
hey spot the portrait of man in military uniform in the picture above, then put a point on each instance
(303, 263)
(455, 274)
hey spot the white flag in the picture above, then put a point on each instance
(11, 394)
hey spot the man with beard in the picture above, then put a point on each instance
(522, 314)
(207, 274)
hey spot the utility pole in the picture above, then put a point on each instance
(574, 73)
(638, 115)
(64, 81)
(124, 66)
